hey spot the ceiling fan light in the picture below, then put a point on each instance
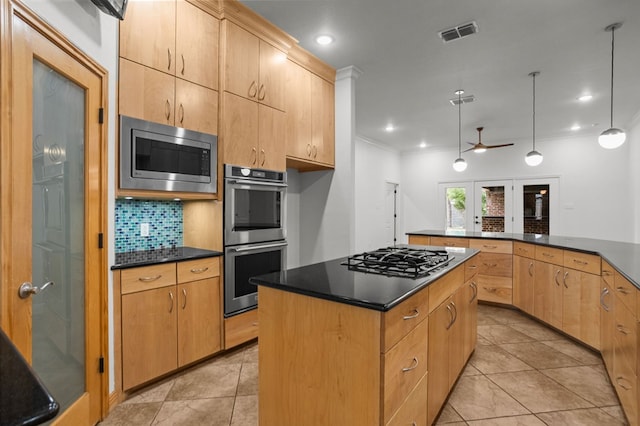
(459, 165)
(533, 158)
(479, 150)
(612, 138)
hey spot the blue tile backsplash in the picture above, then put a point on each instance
(164, 219)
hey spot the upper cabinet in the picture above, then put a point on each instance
(310, 111)
(174, 37)
(252, 68)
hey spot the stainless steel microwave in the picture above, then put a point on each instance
(165, 158)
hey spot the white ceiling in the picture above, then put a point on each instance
(409, 74)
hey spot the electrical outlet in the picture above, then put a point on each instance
(144, 229)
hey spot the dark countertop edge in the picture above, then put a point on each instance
(363, 303)
(198, 254)
(530, 239)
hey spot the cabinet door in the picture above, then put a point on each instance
(271, 129)
(149, 335)
(440, 321)
(469, 317)
(322, 120)
(239, 131)
(147, 36)
(457, 334)
(145, 93)
(607, 327)
(298, 111)
(495, 277)
(198, 320)
(197, 35)
(547, 304)
(240, 61)
(196, 107)
(523, 283)
(580, 310)
(271, 87)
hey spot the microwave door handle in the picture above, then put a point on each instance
(256, 182)
(265, 246)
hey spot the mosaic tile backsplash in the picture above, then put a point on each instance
(164, 219)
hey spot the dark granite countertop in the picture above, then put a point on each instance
(23, 398)
(133, 259)
(624, 257)
(332, 280)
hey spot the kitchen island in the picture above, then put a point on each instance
(339, 346)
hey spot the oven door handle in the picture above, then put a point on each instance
(265, 246)
(256, 182)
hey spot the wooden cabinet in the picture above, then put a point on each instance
(252, 134)
(625, 356)
(174, 37)
(547, 304)
(421, 240)
(523, 283)
(580, 306)
(170, 317)
(240, 328)
(607, 320)
(449, 241)
(310, 136)
(252, 68)
(495, 274)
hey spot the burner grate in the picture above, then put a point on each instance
(399, 261)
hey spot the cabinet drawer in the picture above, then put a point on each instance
(495, 264)
(449, 242)
(627, 388)
(471, 267)
(444, 287)
(404, 365)
(550, 255)
(199, 269)
(403, 318)
(422, 240)
(147, 277)
(608, 273)
(524, 250)
(581, 261)
(625, 292)
(495, 289)
(240, 328)
(414, 409)
(492, 246)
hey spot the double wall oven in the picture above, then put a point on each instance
(254, 232)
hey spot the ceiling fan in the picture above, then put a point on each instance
(480, 147)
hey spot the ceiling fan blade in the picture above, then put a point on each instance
(471, 143)
(498, 146)
(470, 149)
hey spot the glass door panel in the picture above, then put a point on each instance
(58, 320)
(536, 205)
(493, 206)
(454, 197)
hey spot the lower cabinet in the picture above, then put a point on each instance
(495, 274)
(240, 328)
(170, 317)
(523, 283)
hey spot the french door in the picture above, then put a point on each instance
(493, 206)
(53, 215)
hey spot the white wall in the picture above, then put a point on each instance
(633, 140)
(96, 34)
(596, 194)
(375, 167)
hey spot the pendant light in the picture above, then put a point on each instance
(612, 137)
(459, 165)
(534, 158)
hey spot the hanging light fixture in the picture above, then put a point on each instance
(612, 137)
(534, 158)
(459, 165)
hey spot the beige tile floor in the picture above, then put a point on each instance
(522, 373)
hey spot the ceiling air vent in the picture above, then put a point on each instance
(463, 100)
(460, 31)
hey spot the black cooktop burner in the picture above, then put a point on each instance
(399, 261)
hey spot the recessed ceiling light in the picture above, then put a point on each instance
(585, 98)
(324, 39)
(575, 127)
(423, 144)
(389, 128)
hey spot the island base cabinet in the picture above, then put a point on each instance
(414, 409)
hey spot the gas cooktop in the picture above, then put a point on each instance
(409, 262)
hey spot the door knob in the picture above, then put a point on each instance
(27, 289)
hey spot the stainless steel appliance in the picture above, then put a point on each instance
(164, 158)
(254, 232)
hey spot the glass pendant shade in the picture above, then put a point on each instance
(533, 158)
(459, 165)
(612, 138)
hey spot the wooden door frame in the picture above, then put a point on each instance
(10, 323)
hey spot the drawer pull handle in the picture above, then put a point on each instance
(184, 294)
(622, 330)
(548, 255)
(618, 379)
(555, 278)
(412, 316)
(199, 270)
(472, 266)
(604, 292)
(261, 93)
(489, 247)
(451, 314)
(606, 273)
(564, 279)
(474, 287)
(490, 289)
(254, 324)
(414, 365)
(171, 297)
(490, 265)
(168, 59)
(530, 269)
(149, 279)
(580, 262)
(253, 89)
(622, 290)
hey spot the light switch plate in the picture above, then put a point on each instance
(144, 229)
